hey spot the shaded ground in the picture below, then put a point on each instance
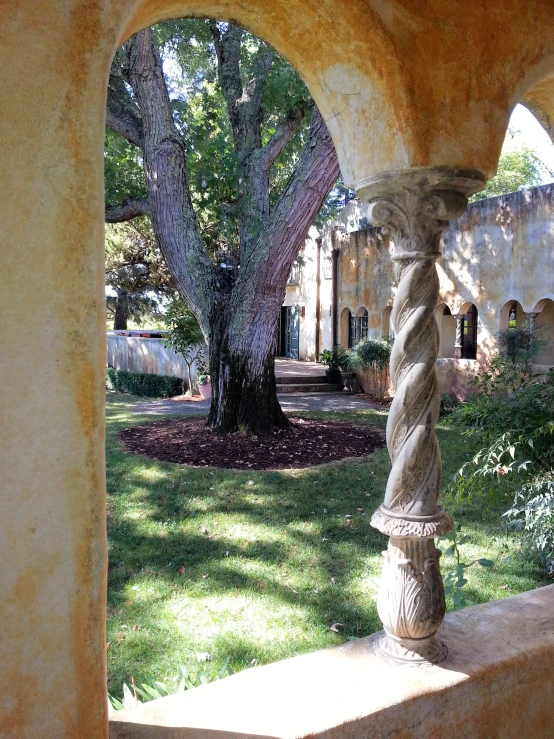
(260, 566)
(289, 403)
(307, 442)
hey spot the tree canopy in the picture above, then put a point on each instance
(518, 167)
(136, 275)
(237, 164)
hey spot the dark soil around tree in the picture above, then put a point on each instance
(306, 443)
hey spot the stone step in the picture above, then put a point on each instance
(326, 387)
(301, 379)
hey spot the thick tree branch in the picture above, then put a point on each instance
(284, 132)
(127, 210)
(122, 115)
(314, 175)
(165, 165)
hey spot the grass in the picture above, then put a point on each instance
(270, 560)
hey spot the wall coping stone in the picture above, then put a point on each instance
(497, 681)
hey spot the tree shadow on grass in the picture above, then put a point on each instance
(304, 549)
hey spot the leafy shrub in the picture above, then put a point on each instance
(448, 404)
(151, 689)
(184, 335)
(455, 580)
(372, 356)
(520, 345)
(514, 415)
(334, 358)
(532, 513)
(150, 386)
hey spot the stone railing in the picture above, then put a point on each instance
(496, 681)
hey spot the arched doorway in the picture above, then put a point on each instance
(446, 323)
(387, 330)
(544, 323)
(346, 328)
(512, 315)
(469, 324)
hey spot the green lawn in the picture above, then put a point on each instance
(270, 562)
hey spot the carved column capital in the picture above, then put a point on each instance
(414, 208)
(415, 219)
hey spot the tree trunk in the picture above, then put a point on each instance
(238, 313)
(242, 371)
(121, 315)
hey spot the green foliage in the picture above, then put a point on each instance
(135, 270)
(372, 353)
(151, 689)
(183, 329)
(455, 580)
(532, 513)
(448, 404)
(202, 371)
(184, 335)
(518, 167)
(123, 170)
(372, 356)
(513, 414)
(258, 565)
(200, 113)
(521, 346)
(334, 358)
(150, 386)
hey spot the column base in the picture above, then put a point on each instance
(419, 652)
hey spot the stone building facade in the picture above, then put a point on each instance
(496, 269)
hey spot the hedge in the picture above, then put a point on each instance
(151, 386)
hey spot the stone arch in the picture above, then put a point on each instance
(544, 323)
(342, 84)
(387, 329)
(512, 315)
(468, 318)
(345, 328)
(361, 325)
(447, 330)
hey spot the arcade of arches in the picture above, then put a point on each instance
(474, 299)
(416, 95)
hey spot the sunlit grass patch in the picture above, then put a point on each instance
(259, 565)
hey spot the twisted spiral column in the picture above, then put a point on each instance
(411, 596)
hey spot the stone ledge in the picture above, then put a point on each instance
(497, 681)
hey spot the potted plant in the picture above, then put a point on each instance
(203, 379)
(332, 359)
(347, 370)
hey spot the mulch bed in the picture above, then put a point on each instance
(308, 442)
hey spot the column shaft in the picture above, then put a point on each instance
(411, 599)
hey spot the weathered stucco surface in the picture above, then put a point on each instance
(500, 251)
(402, 84)
(495, 682)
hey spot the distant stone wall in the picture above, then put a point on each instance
(149, 356)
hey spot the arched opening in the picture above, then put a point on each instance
(447, 331)
(544, 323)
(512, 315)
(387, 331)
(469, 332)
(361, 326)
(346, 328)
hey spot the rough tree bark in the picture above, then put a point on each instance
(238, 313)
(121, 311)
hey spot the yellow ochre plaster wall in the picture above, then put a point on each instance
(402, 84)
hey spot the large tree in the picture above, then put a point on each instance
(232, 267)
(136, 274)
